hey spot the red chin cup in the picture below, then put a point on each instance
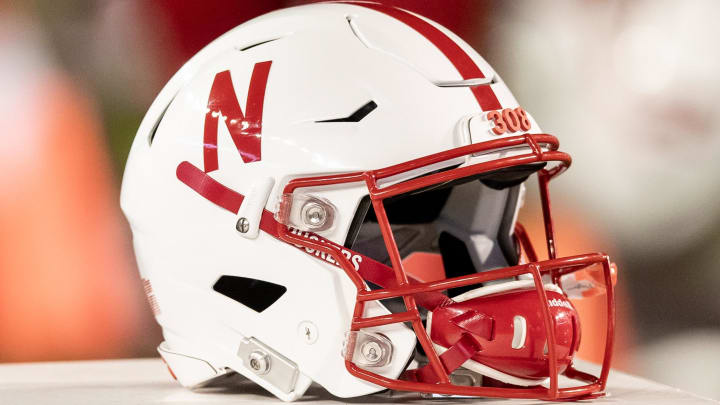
(507, 332)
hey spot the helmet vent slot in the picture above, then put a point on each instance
(255, 294)
(356, 116)
(245, 48)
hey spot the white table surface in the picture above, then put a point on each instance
(146, 381)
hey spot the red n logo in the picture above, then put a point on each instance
(245, 129)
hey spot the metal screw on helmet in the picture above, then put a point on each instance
(371, 351)
(308, 332)
(367, 349)
(314, 215)
(259, 362)
(243, 225)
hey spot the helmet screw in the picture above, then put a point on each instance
(259, 362)
(243, 225)
(314, 215)
(371, 351)
(308, 332)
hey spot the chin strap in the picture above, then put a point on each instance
(369, 269)
(473, 323)
(454, 357)
(476, 323)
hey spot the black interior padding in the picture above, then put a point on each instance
(408, 238)
(505, 240)
(422, 208)
(510, 176)
(357, 221)
(364, 214)
(255, 294)
(456, 260)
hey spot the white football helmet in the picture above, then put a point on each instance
(329, 193)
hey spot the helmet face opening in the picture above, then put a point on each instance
(450, 229)
(493, 327)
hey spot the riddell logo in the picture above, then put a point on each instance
(556, 302)
(245, 129)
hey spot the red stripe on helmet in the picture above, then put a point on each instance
(464, 64)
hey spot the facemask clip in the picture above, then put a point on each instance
(306, 212)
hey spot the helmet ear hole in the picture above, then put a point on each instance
(255, 294)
